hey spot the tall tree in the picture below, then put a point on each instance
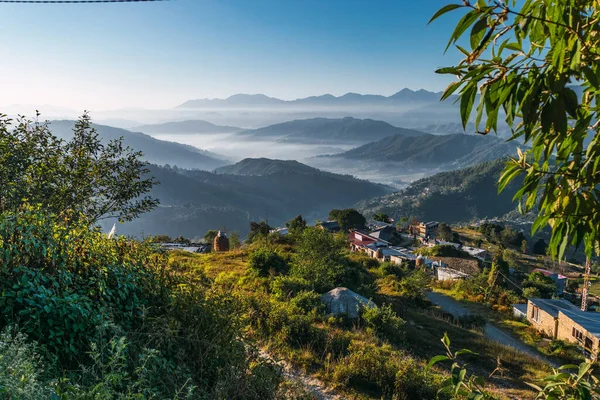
(537, 62)
(348, 218)
(83, 177)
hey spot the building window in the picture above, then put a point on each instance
(535, 313)
(577, 334)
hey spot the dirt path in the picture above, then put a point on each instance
(314, 386)
(451, 306)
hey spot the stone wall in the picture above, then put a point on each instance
(545, 323)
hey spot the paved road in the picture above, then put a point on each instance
(455, 308)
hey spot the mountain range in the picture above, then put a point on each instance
(154, 151)
(454, 197)
(440, 151)
(189, 126)
(328, 131)
(403, 97)
(193, 202)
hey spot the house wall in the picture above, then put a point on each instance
(565, 332)
(447, 274)
(545, 323)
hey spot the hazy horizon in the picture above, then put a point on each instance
(158, 55)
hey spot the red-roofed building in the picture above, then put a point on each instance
(559, 279)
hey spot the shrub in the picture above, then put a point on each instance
(308, 302)
(21, 368)
(267, 262)
(384, 322)
(284, 287)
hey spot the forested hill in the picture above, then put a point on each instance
(155, 151)
(193, 202)
(267, 166)
(455, 196)
(326, 130)
(189, 126)
(436, 151)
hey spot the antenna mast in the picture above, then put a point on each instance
(586, 283)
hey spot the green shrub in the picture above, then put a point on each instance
(384, 322)
(309, 302)
(284, 287)
(267, 262)
(21, 368)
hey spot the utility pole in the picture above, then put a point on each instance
(586, 283)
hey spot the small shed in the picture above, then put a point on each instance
(342, 301)
(221, 242)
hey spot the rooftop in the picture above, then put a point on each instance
(548, 273)
(552, 307)
(590, 321)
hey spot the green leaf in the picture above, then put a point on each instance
(466, 21)
(478, 32)
(466, 103)
(444, 10)
(434, 361)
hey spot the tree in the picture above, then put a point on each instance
(382, 217)
(524, 246)
(539, 247)
(538, 63)
(544, 285)
(511, 238)
(445, 232)
(258, 230)
(348, 218)
(267, 262)
(82, 178)
(319, 259)
(296, 225)
(210, 235)
(234, 240)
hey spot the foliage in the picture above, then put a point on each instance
(537, 61)
(296, 225)
(545, 287)
(382, 217)
(267, 262)
(563, 384)
(210, 235)
(384, 322)
(319, 259)
(444, 250)
(234, 240)
(415, 286)
(445, 233)
(258, 231)
(82, 177)
(114, 322)
(21, 368)
(348, 218)
(285, 286)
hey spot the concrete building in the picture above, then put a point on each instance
(428, 229)
(559, 319)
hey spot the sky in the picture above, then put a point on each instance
(160, 54)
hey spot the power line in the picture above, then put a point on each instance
(73, 1)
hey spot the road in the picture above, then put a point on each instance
(451, 306)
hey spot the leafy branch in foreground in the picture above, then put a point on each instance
(561, 385)
(537, 64)
(81, 177)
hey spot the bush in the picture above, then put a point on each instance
(21, 368)
(384, 322)
(308, 302)
(284, 287)
(267, 262)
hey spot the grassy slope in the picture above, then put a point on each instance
(424, 329)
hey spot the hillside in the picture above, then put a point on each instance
(453, 197)
(443, 151)
(403, 97)
(155, 151)
(189, 126)
(193, 202)
(266, 166)
(326, 130)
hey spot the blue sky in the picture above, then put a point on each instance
(157, 55)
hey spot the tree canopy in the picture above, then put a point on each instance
(348, 218)
(83, 177)
(535, 64)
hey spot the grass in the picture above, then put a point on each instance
(424, 329)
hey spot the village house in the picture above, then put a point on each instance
(560, 280)
(559, 319)
(380, 249)
(428, 230)
(329, 226)
(453, 268)
(480, 254)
